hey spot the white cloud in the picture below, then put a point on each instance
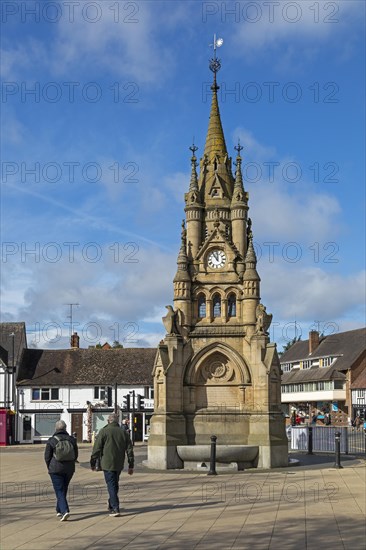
(310, 292)
(114, 296)
(296, 29)
(253, 149)
(282, 210)
(177, 184)
(127, 43)
(305, 217)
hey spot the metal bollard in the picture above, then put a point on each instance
(337, 464)
(212, 471)
(310, 441)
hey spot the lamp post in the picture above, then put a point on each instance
(14, 395)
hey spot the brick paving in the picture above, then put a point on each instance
(310, 506)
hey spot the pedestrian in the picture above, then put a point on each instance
(126, 425)
(111, 446)
(358, 422)
(293, 418)
(60, 456)
(314, 418)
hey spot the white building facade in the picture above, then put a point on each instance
(82, 387)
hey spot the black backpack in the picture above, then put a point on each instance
(64, 450)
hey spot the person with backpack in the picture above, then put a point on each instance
(111, 447)
(60, 456)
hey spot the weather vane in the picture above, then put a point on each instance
(238, 147)
(193, 148)
(215, 63)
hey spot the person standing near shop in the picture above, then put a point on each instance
(60, 455)
(111, 446)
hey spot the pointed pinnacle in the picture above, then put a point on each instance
(193, 186)
(215, 140)
(250, 255)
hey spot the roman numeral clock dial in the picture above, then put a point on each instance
(216, 259)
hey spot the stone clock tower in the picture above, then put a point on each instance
(216, 371)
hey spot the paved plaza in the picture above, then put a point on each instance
(306, 507)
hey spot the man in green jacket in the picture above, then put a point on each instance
(111, 446)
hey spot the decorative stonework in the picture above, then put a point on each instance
(216, 371)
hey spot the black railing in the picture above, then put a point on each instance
(322, 439)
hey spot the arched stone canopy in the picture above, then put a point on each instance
(217, 364)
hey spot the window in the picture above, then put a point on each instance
(306, 364)
(286, 367)
(44, 423)
(100, 392)
(103, 393)
(45, 394)
(327, 361)
(231, 305)
(201, 305)
(216, 304)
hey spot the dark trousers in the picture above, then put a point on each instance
(112, 480)
(60, 484)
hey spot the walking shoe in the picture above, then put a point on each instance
(59, 515)
(65, 517)
(115, 514)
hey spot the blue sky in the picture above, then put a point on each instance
(95, 161)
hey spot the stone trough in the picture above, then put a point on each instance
(235, 457)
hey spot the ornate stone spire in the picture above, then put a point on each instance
(182, 278)
(182, 256)
(215, 140)
(239, 194)
(193, 186)
(250, 258)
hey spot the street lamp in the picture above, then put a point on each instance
(14, 394)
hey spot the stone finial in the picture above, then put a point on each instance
(250, 257)
(238, 191)
(193, 186)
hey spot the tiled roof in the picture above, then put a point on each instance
(360, 382)
(314, 374)
(126, 366)
(348, 346)
(6, 341)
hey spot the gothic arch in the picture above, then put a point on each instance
(217, 290)
(217, 363)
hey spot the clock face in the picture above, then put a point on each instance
(216, 259)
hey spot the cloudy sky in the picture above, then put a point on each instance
(100, 103)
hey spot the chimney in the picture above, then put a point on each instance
(74, 341)
(313, 340)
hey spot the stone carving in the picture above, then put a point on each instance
(216, 372)
(173, 321)
(264, 320)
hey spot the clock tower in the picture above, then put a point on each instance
(216, 371)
